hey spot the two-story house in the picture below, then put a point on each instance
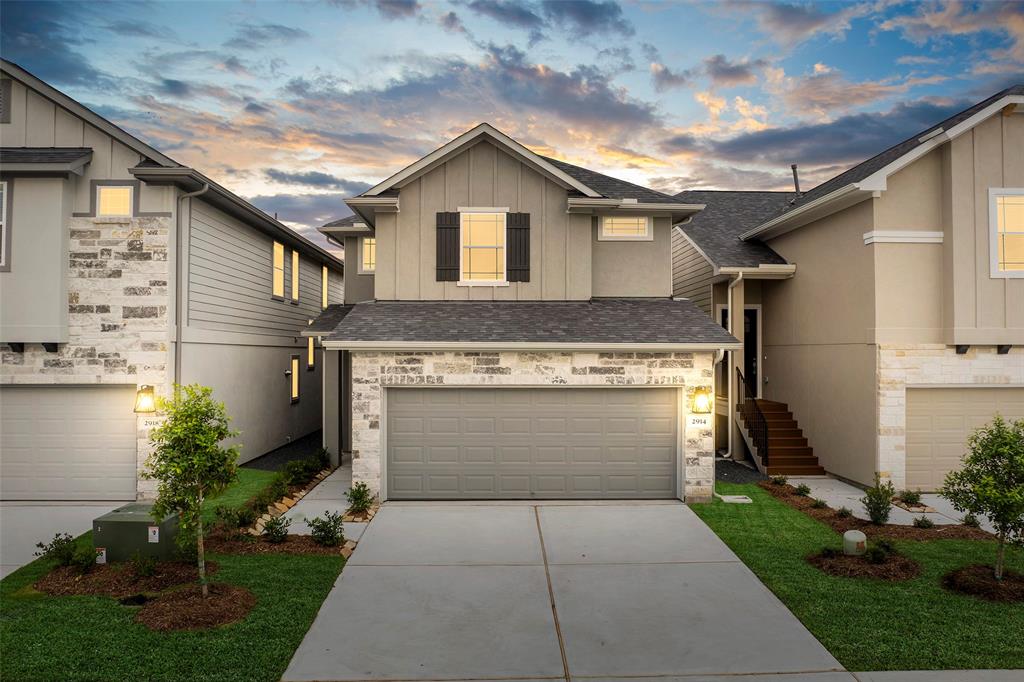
(883, 311)
(511, 333)
(121, 273)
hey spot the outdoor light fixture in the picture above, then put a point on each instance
(145, 400)
(702, 400)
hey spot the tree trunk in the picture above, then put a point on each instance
(1000, 557)
(200, 553)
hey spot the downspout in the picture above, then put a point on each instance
(177, 279)
(729, 373)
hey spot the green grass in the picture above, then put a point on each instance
(95, 638)
(868, 624)
(250, 482)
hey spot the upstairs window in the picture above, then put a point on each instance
(278, 275)
(293, 384)
(311, 354)
(626, 228)
(114, 201)
(295, 276)
(1007, 232)
(367, 255)
(323, 285)
(483, 248)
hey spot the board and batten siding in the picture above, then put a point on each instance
(230, 273)
(692, 275)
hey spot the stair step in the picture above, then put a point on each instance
(791, 460)
(790, 451)
(771, 406)
(775, 441)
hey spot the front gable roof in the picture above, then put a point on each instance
(715, 231)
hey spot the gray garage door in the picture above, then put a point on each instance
(531, 443)
(67, 443)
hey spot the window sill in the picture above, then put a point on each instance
(112, 220)
(481, 284)
(277, 298)
(631, 238)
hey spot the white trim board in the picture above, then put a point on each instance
(526, 345)
(993, 230)
(902, 237)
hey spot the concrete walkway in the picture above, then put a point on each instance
(329, 496)
(23, 524)
(527, 591)
(841, 494)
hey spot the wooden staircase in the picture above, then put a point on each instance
(789, 453)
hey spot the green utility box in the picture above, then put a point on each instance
(118, 535)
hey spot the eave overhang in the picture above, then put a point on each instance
(525, 346)
(605, 206)
(76, 167)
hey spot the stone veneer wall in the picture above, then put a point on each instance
(923, 365)
(117, 315)
(373, 371)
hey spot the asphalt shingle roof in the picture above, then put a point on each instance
(610, 320)
(43, 154)
(347, 221)
(716, 229)
(328, 320)
(610, 187)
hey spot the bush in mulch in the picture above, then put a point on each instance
(979, 580)
(893, 568)
(120, 580)
(223, 543)
(841, 523)
(187, 609)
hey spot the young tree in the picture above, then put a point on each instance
(189, 462)
(991, 482)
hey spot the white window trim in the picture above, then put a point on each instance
(362, 270)
(993, 230)
(503, 212)
(131, 201)
(646, 237)
(5, 228)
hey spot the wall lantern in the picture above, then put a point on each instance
(701, 400)
(145, 400)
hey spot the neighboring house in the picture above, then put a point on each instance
(512, 334)
(120, 269)
(884, 309)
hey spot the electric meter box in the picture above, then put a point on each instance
(118, 535)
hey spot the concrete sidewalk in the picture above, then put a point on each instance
(329, 496)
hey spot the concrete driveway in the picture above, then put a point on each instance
(474, 591)
(23, 524)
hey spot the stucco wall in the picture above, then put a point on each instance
(373, 372)
(633, 268)
(358, 287)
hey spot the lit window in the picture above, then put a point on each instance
(4, 242)
(626, 227)
(483, 247)
(295, 379)
(311, 354)
(323, 286)
(278, 270)
(114, 202)
(368, 255)
(1008, 232)
(295, 276)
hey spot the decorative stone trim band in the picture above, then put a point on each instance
(902, 237)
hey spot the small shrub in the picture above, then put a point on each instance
(327, 531)
(829, 553)
(246, 517)
(278, 487)
(323, 459)
(844, 512)
(819, 503)
(302, 471)
(226, 518)
(803, 490)
(84, 559)
(971, 521)
(911, 498)
(876, 554)
(923, 521)
(877, 501)
(61, 549)
(276, 529)
(360, 499)
(778, 480)
(144, 566)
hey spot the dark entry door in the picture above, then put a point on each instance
(751, 333)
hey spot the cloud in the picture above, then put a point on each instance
(319, 180)
(704, 174)
(304, 212)
(681, 143)
(398, 9)
(522, 15)
(724, 73)
(936, 22)
(790, 24)
(914, 60)
(666, 79)
(826, 90)
(250, 36)
(588, 17)
(615, 155)
(140, 29)
(452, 22)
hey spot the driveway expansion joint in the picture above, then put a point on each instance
(551, 596)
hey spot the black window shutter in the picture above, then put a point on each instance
(517, 248)
(447, 247)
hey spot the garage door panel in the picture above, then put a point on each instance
(546, 443)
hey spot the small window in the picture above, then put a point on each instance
(311, 354)
(114, 202)
(626, 228)
(1007, 221)
(278, 283)
(4, 241)
(483, 247)
(368, 255)
(295, 276)
(295, 379)
(323, 286)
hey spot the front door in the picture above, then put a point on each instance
(751, 340)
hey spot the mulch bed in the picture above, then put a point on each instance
(978, 580)
(828, 516)
(187, 609)
(245, 544)
(897, 567)
(120, 580)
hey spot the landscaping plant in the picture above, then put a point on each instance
(360, 499)
(327, 531)
(971, 521)
(877, 500)
(911, 498)
(144, 566)
(819, 503)
(991, 482)
(844, 512)
(778, 480)
(189, 462)
(84, 559)
(803, 490)
(923, 521)
(61, 549)
(276, 529)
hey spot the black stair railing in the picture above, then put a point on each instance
(753, 417)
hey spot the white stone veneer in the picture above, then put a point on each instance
(374, 371)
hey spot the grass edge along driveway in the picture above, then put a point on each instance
(95, 638)
(868, 624)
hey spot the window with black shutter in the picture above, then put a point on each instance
(447, 247)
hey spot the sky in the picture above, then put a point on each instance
(298, 105)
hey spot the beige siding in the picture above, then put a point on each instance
(634, 268)
(691, 273)
(357, 287)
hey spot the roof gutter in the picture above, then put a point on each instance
(335, 344)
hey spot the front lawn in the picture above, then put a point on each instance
(94, 638)
(868, 624)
